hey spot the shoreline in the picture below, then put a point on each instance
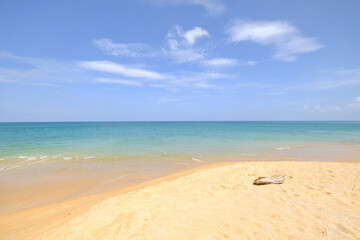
(54, 182)
(17, 225)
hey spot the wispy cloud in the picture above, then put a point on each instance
(180, 46)
(336, 79)
(177, 37)
(162, 100)
(252, 63)
(193, 34)
(331, 80)
(213, 7)
(12, 75)
(36, 71)
(45, 84)
(122, 49)
(286, 38)
(54, 73)
(203, 80)
(116, 68)
(169, 81)
(220, 62)
(127, 82)
(355, 103)
(318, 108)
(181, 43)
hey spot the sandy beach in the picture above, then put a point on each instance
(318, 200)
(158, 119)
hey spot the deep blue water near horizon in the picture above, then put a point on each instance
(119, 140)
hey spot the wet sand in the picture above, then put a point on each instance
(318, 200)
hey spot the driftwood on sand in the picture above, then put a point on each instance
(269, 180)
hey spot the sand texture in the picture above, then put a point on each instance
(318, 200)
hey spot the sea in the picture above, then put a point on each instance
(31, 143)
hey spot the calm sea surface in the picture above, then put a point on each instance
(32, 142)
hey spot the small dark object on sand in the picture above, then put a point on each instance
(269, 180)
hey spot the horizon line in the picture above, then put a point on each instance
(130, 121)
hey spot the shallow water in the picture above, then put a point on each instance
(122, 140)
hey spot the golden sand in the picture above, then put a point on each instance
(318, 200)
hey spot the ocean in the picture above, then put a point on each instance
(196, 141)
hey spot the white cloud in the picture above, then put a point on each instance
(116, 68)
(119, 81)
(122, 49)
(186, 55)
(213, 7)
(251, 63)
(50, 73)
(178, 37)
(287, 39)
(262, 32)
(195, 33)
(181, 44)
(173, 81)
(220, 62)
(197, 80)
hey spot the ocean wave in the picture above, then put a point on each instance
(196, 160)
(31, 158)
(283, 148)
(182, 163)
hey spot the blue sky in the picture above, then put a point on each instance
(179, 60)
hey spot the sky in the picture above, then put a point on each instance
(179, 60)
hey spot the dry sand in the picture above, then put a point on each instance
(318, 200)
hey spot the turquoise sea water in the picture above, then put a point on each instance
(196, 140)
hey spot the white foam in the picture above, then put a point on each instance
(282, 148)
(89, 157)
(67, 158)
(180, 163)
(31, 158)
(22, 157)
(197, 160)
(43, 157)
(1, 159)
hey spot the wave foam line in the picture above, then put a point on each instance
(197, 160)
